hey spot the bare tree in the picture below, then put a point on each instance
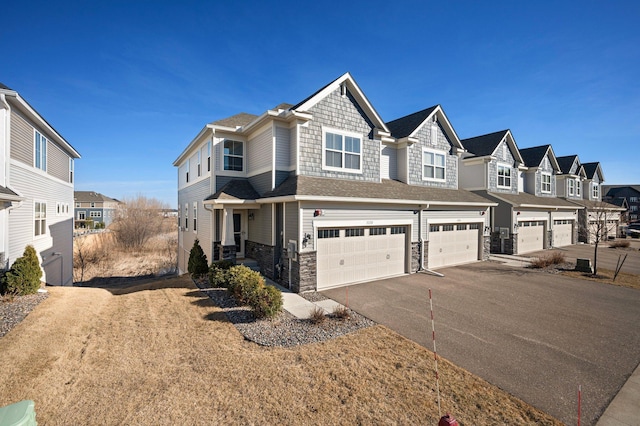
(137, 220)
(600, 221)
(84, 255)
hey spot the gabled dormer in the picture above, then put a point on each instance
(569, 181)
(541, 169)
(424, 151)
(491, 163)
(342, 137)
(593, 181)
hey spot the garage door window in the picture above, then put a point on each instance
(474, 226)
(398, 230)
(354, 232)
(434, 228)
(447, 228)
(377, 231)
(328, 233)
(461, 227)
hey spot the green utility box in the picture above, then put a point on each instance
(21, 413)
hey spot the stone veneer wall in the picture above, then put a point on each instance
(264, 255)
(486, 247)
(512, 243)
(216, 251)
(303, 273)
(415, 257)
(493, 244)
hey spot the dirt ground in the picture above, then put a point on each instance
(159, 352)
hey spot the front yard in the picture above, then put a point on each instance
(161, 352)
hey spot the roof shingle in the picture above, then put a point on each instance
(484, 145)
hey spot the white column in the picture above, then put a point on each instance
(227, 227)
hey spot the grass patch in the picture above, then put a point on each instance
(555, 258)
(605, 276)
(317, 316)
(341, 312)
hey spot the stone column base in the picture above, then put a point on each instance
(228, 253)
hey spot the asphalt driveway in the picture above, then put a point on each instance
(534, 334)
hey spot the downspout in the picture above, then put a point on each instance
(422, 268)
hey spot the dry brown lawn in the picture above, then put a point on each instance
(623, 279)
(161, 353)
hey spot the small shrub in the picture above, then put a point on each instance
(317, 315)
(24, 275)
(619, 244)
(244, 283)
(267, 302)
(341, 312)
(555, 258)
(219, 273)
(197, 260)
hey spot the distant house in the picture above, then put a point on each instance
(36, 189)
(615, 194)
(92, 208)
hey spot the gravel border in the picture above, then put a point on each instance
(284, 330)
(11, 313)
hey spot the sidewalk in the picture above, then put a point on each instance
(511, 260)
(624, 410)
(300, 307)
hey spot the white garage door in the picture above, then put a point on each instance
(451, 244)
(530, 236)
(359, 254)
(562, 233)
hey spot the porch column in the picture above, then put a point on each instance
(228, 242)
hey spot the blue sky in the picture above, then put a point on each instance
(130, 83)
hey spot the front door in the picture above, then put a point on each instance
(239, 233)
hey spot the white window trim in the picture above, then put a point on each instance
(43, 152)
(244, 157)
(71, 169)
(571, 187)
(342, 133)
(542, 183)
(35, 203)
(595, 190)
(199, 166)
(186, 216)
(208, 156)
(578, 188)
(506, 166)
(195, 217)
(435, 152)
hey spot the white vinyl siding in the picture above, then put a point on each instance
(389, 162)
(22, 139)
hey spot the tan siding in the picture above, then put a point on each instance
(259, 152)
(260, 227)
(291, 222)
(21, 139)
(58, 162)
(283, 160)
(196, 192)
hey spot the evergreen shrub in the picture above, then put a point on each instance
(197, 260)
(24, 275)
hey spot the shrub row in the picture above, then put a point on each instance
(247, 287)
(555, 258)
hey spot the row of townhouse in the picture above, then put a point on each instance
(36, 189)
(92, 208)
(325, 193)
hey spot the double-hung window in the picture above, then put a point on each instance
(199, 166)
(504, 176)
(571, 187)
(186, 217)
(433, 165)
(70, 170)
(209, 156)
(233, 155)
(40, 218)
(342, 151)
(40, 152)
(578, 188)
(546, 183)
(195, 216)
(595, 191)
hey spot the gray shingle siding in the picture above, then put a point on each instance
(415, 159)
(502, 156)
(545, 167)
(341, 113)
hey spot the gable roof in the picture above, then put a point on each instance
(591, 169)
(409, 125)
(388, 191)
(485, 145)
(614, 190)
(353, 88)
(533, 156)
(92, 197)
(2, 86)
(236, 189)
(241, 119)
(566, 162)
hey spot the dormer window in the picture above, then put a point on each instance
(504, 176)
(546, 183)
(433, 165)
(233, 155)
(342, 151)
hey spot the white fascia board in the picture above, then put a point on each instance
(289, 198)
(9, 197)
(514, 146)
(245, 203)
(346, 78)
(553, 159)
(470, 161)
(407, 140)
(25, 107)
(446, 124)
(193, 142)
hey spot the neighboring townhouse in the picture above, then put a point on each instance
(627, 196)
(325, 193)
(569, 182)
(597, 216)
(36, 189)
(94, 210)
(529, 215)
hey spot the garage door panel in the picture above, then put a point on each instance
(453, 245)
(348, 259)
(530, 237)
(562, 234)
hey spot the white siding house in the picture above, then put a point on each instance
(36, 189)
